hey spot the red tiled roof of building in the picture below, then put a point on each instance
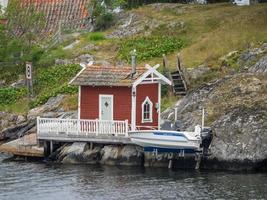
(60, 11)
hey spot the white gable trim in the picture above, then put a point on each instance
(152, 71)
(159, 105)
(150, 109)
(77, 75)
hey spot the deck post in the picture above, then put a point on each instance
(126, 127)
(37, 125)
(51, 147)
(170, 164)
(78, 126)
(97, 127)
(46, 149)
(175, 113)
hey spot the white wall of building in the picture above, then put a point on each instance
(242, 2)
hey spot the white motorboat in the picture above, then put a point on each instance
(167, 141)
(162, 141)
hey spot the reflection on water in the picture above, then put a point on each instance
(23, 180)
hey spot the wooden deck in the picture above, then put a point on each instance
(103, 139)
(25, 146)
(75, 130)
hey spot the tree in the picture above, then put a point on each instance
(21, 35)
(101, 12)
(25, 25)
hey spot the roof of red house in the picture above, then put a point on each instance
(96, 75)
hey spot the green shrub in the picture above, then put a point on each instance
(48, 59)
(96, 36)
(56, 75)
(149, 47)
(43, 98)
(104, 21)
(53, 81)
(11, 95)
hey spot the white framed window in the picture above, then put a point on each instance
(147, 108)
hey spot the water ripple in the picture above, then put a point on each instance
(42, 181)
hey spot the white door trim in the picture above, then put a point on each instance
(111, 97)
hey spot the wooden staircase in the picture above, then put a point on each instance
(179, 78)
(179, 84)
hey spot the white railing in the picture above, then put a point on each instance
(81, 127)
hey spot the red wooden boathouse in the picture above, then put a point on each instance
(115, 93)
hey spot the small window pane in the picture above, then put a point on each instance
(147, 111)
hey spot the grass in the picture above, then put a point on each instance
(168, 101)
(96, 36)
(213, 30)
(48, 82)
(19, 107)
(70, 102)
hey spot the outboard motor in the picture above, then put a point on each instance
(206, 138)
(177, 125)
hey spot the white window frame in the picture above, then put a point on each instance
(151, 111)
(112, 105)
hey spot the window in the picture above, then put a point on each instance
(147, 106)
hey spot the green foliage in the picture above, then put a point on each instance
(11, 95)
(104, 21)
(19, 39)
(101, 12)
(167, 101)
(53, 81)
(149, 47)
(43, 98)
(49, 58)
(96, 36)
(24, 23)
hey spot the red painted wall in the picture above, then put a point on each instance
(90, 102)
(150, 90)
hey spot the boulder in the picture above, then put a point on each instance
(260, 67)
(79, 152)
(72, 45)
(162, 160)
(16, 131)
(240, 136)
(129, 155)
(236, 110)
(63, 61)
(198, 71)
(10, 119)
(48, 109)
(91, 47)
(18, 84)
(2, 83)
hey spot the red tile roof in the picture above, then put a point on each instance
(107, 76)
(60, 11)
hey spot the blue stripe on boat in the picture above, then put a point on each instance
(168, 150)
(168, 134)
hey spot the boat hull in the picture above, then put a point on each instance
(166, 141)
